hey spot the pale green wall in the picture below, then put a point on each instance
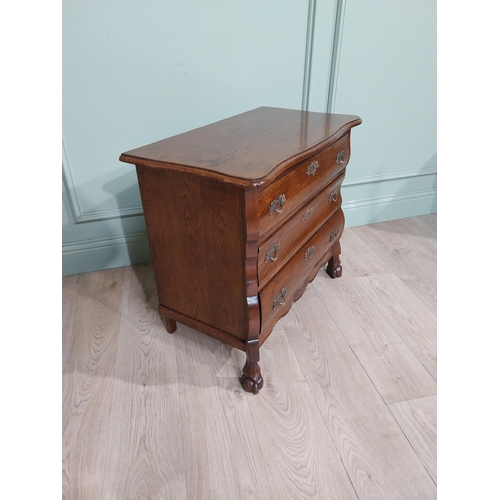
(138, 71)
(387, 72)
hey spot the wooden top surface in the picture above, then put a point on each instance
(248, 148)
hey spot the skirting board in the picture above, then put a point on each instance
(134, 249)
(106, 253)
(360, 213)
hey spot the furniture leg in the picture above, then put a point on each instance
(252, 380)
(334, 267)
(170, 325)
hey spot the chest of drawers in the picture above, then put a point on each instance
(241, 215)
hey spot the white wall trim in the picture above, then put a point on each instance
(384, 200)
(391, 207)
(338, 26)
(103, 242)
(311, 15)
(69, 186)
(79, 216)
(105, 253)
(405, 174)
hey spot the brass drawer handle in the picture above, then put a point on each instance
(307, 214)
(341, 157)
(274, 251)
(313, 167)
(277, 301)
(334, 235)
(278, 205)
(333, 196)
(309, 253)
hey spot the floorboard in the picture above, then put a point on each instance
(418, 420)
(407, 315)
(416, 268)
(88, 381)
(145, 413)
(395, 371)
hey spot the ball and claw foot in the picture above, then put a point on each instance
(334, 271)
(252, 380)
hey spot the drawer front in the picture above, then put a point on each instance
(279, 248)
(278, 295)
(279, 200)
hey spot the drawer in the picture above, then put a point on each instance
(280, 247)
(278, 295)
(279, 200)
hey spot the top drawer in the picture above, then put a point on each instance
(278, 200)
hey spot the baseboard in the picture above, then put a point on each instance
(106, 253)
(384, 208)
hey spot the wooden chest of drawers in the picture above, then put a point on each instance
(240, 216)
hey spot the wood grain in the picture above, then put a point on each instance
(427, 223)
(415, 268)
(69, 298)
(295, 233)
(145, 414)
(377, 457)
(393, 368)
(422, 239)
(418, 420)
(412, 321)
(298, 186)
(298, 270)
(218, 434)
(88, 371)
(246, 148)
(196, 231)
(298, 451)
(358, 259)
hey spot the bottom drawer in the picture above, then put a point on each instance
(278, 295)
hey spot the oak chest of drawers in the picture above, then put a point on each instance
(241, 215)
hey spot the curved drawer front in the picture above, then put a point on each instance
(279, 248)
(279, 200)
(278, 295)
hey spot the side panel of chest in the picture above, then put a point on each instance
(197, 232)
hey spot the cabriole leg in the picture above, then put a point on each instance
(334, 267)
(252, 380)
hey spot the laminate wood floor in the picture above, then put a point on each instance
(348, 408)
